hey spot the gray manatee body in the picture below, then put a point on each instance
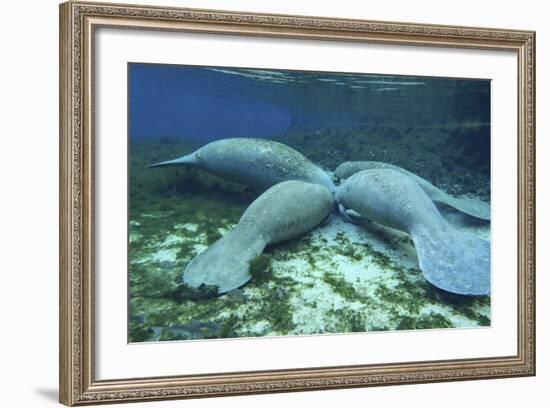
(449, 259)
(475, 208)
(285, 211)
(255, 162)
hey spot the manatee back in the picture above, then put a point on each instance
(388, 197)
(449, 259)
(288, 209)
(259, 163)
(348, 169)
(473, 207)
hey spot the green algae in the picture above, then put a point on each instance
(348, 249)
(183, 292)
(278, 311)
(431, 321)
(346, 321)
(260, 269)
(177, 213)
(340, 286)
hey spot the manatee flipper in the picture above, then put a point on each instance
(351, 216)
(285, 211)
(450, 259)
(471, 206)
(475, 208)
(354, 214)
(344, 214)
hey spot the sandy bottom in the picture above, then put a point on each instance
(339, 278)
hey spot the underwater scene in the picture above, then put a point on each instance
(268, 202)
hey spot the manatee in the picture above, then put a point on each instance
(255, 162)
(450, 259)
(475, 208)
(285, 211)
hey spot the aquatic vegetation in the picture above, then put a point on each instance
(424, 322)
(190, 331)
(260, 268)
(346, 321)
(340, 286)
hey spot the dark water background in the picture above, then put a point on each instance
(438, 128)
(204, 104)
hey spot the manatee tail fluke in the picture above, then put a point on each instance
(471, 206)
(454, 261)
(180, 161)
(226, 263)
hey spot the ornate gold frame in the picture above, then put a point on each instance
(78, 22)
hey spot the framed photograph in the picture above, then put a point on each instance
(256, 203)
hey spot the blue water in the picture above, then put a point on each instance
(209, 103)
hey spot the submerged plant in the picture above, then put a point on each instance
(183, 292)
(260, 268)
